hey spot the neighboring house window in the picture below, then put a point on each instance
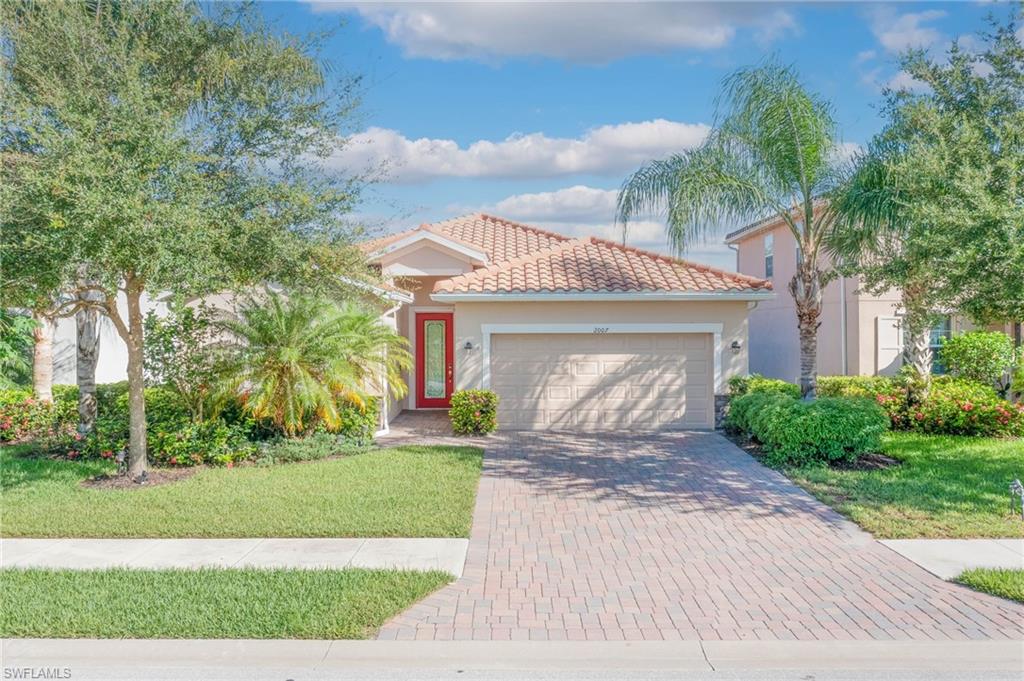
(943, 329)
(769, 255)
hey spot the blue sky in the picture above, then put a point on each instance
(537, 111)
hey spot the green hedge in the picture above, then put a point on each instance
(797, 432)
(950, 406)
(172, 439)
(756, 383)
(474, 412)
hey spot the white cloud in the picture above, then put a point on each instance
(900, 32)
(583, 32)
(602, 150)
(866, 55)
(904, 81)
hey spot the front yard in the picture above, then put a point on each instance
(398, 492)
(944, 487)
(207, 603)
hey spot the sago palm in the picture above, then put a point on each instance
(293, 359)
(773, 151)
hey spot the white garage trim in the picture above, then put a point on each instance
(487, 330)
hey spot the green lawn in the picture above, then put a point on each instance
(399, 492)
(947, 486)
(1004, 583)
(208, 603)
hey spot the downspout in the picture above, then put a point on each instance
(384, 426)
(842, 325)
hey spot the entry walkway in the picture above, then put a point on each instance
(447, 555)
(947, 558)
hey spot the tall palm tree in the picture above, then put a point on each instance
(773, 151)
(293, 359)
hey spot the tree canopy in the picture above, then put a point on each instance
(936, 204)
(166, 147)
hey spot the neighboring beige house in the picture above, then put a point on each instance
(860, 334)
(577, 333)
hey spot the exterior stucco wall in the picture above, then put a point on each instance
(471, 317)
(775, 346)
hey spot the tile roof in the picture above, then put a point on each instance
(499, 238)
(597, 265)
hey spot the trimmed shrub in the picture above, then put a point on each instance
(208, 442)
(358, 425)
(889, 393)
(756, 383)
(744, 408)
(474, 412)
(798, 433)
(955, 406)
(311, 448)
(987, 357)
(22, 417)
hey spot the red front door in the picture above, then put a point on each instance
(435, 360)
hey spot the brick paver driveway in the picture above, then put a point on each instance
(677, 536)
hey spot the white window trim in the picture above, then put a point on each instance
(487, 330)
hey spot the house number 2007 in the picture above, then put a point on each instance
(600, 329)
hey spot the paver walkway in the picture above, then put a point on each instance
(678, 536)
(947, 558)
(448, 555)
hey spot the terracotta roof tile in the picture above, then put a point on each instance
(499, 238)
(596, 265)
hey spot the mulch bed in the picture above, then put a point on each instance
(867, 462)
(154, 477)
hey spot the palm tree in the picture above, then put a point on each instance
(772, 152)
(293, 359)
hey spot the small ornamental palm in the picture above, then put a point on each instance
(293, 359)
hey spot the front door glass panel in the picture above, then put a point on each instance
(434, 359)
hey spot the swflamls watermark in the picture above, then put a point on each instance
(30, 673)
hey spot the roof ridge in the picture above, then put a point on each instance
(699, 266)
(532, 228)
(514, 262)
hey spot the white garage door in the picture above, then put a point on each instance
(600, 382)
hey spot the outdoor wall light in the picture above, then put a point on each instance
(736, 346)
(468, 346)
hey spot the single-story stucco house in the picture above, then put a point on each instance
(572, 333)
(575, 333)
(860, 333)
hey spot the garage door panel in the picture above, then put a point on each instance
(604, 381)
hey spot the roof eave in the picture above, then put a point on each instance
(599, 296)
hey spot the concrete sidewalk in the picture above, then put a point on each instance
(947, 558)
(447, 555)
(296, 656)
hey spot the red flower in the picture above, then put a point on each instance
(230, 464)
(967, 406)
(919, 416)
(174, 461)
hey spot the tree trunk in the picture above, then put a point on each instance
(805, 287)
(42, 357)
(917, 324)
(137, 463)
(88, 334)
